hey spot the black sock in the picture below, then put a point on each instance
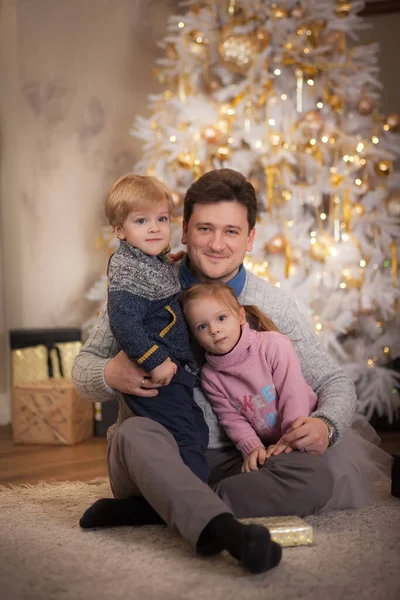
(109, 512)
(250, 544)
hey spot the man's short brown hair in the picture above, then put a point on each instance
(132, 192)
(222, 185)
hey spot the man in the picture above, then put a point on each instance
(218, 229)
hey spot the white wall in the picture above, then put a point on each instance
(74, 74)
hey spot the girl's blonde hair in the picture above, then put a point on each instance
(254, 316)
(132, 192)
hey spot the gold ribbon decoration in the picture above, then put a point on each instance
(346, 210)
(269, 172)
(288, 251)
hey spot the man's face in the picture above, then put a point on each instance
(217, 238)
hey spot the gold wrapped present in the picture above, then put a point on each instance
(68, 351)
(287, 531)
(29, 364)
(50, 412)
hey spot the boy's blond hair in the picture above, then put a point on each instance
(132, 192)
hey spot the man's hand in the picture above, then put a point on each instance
(127, 377)
(308, 433)
(278, 448)
(164, 372)
(175, 257)
(256, 457)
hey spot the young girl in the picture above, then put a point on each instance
(254, 382)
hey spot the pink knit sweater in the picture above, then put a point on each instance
(258, 389)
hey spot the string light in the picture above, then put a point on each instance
(342, 285)
(360, 147)
(325, 139)
(358, 182)
(310, 82)
(271, 121)
(362, 263)
(277, 72)
(181, 24)
(375, 139)
(386, 349)
(320, 104)
(323, 216)
(345, 237)
(172, 138)
(283, 97)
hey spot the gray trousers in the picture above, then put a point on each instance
(144, 460)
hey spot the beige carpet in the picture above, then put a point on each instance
(44, 555)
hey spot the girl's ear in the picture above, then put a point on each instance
(242, 315)
(119, 232)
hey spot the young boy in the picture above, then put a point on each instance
(145, 316)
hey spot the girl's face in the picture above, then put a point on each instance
(214, 324)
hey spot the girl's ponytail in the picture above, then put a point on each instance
(259, 320)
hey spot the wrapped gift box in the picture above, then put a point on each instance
(50, 412)
(287, 531)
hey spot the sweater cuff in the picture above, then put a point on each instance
(249, 445)
(98, 382)
(154, 359)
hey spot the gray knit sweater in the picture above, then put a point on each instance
(335, 391)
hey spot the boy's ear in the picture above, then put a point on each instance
(119, 232)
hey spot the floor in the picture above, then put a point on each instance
(83, 462)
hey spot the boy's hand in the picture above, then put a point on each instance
(278, 448)
(175, 257)
(256, 457)
(164, 372)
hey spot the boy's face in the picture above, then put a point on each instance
(217, 238)
(148, 229)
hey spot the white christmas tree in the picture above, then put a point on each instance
(281, 92)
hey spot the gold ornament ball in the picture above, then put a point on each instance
(393, 204)
(263, 39)
(237, 51)
(383, 168)
(278, 12)
(185, 160)
(343, 9)
(366, 106)
(354, 277)
(335, 179)
(318, 252)
(358, 209)
(392, 122)
(177, 198)
(313, 120)
(298, 12)
(223, 153)
(210, 134)
(276, 245)
(256, 185)
(335, 102)
(332, 39)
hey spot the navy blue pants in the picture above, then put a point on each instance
(176, 409)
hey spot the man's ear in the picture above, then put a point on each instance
(119, 232)
(184, 232)
(250, 240)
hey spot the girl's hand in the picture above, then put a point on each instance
(256, 457)
(278, 448)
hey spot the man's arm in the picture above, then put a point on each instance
(100, 370)
(335, 391)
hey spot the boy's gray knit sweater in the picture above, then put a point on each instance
(143, 308)
(335, 391)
